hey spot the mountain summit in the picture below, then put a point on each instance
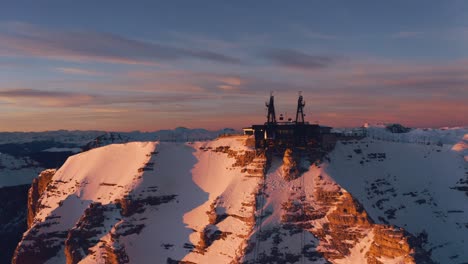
(221, 201)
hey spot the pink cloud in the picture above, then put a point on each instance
(22, 39)
(32, 97)
(78, 71)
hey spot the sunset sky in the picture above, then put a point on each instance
(150, 65)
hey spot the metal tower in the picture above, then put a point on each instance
(300, 110)
(271, 117)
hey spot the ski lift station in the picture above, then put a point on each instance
(296, 133)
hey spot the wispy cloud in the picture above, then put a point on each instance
(44, 98)
(448, 80)
(297, 59)
(78, 71)
(33, 97)
(30, 40)
(343, 93)
(180, 81)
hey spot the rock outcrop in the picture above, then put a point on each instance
(38, 187)
(38, 248)
(86, 232)
(131, 205)
(290, 165)
(347, 223)
(392, 242)
(344, 224)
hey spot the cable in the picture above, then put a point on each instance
(261, 202)
(303, 196)
(260, 219)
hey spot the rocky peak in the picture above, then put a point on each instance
(208, 202)
(294, 164)
(290, 168)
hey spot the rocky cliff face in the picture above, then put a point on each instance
(81, 237)
(320, 222)
(391, 242)
(349, 224)
(209, 202)
(20, 204)
(38, 187)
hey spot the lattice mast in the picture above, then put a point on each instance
(300, 110)
(271, 117)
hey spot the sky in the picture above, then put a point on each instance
(150, 65)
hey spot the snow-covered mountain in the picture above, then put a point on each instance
(24, 155)
(73, 137)
(369, 200)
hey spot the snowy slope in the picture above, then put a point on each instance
(100, 175)
(173, 192)
(277, 239)
(105, 173)
(221, 202)
(409, 185)
(199, 176)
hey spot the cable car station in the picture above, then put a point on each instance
(290, 134)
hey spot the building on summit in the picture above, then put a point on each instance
(289, 134)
